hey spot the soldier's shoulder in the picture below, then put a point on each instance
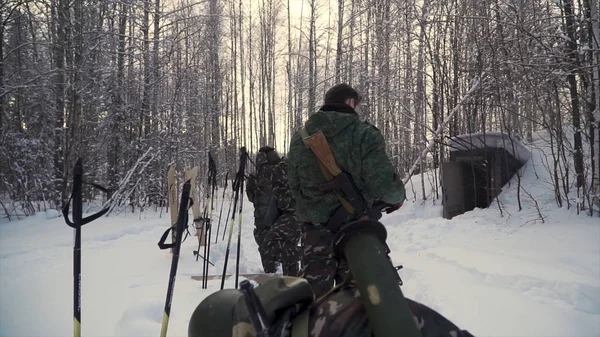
(367, 131)
(280, 169)
(371, 126)
(269, 169)
(283, 163)
(296, 137)
(264, 172)
(297, 150)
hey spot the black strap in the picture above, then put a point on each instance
(161, 243)
(163, 238)
(101, 188)
(90, 218)
(330, 185)
(339, 217)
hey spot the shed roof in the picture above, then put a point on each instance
(498, 140)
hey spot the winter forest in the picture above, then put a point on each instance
(132, 86)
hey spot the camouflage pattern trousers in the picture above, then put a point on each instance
(319, 266)
(342, 314)
(279, 244)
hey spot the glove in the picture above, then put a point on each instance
(384, 206)
(393, 208)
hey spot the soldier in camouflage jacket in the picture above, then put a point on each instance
(277, 231)
(359, 149)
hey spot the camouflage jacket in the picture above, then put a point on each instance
(270, 181)
(281, 188)
(359, 149)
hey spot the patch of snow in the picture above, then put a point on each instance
(490, 272)
(52, 213)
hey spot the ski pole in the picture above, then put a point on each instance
(213, 182)
(205, 228)
(201, 235)
(181, 219)
(221, 211)
(239, 243)
(203, 258)
(78, 221)
(207, 219)
(229, 210)
(236, 191)
(232, 223)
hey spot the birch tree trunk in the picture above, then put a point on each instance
(59, 9)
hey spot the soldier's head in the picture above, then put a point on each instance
(268, 156)
(343, 93)
(261, 159)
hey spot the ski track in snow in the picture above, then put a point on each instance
(493, 274)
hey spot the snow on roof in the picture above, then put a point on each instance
(482, 140)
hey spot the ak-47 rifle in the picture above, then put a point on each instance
(340, 181)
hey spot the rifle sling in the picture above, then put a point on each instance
(331, 184)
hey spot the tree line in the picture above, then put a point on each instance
(134, 85)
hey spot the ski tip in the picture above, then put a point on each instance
(259, 278)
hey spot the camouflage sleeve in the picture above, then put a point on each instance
(293, 177)
(378, 172)
(281, 190)
(251, 188)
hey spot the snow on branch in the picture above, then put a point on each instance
(474, 87)
(124, 190)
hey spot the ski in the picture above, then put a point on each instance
(192, 174)
(198, 221)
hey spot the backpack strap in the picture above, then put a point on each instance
(300, 324)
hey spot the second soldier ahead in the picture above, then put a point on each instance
(277, 231)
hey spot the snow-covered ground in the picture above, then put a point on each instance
(493, 274)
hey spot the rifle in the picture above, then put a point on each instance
(353, 203)
(273, 213)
